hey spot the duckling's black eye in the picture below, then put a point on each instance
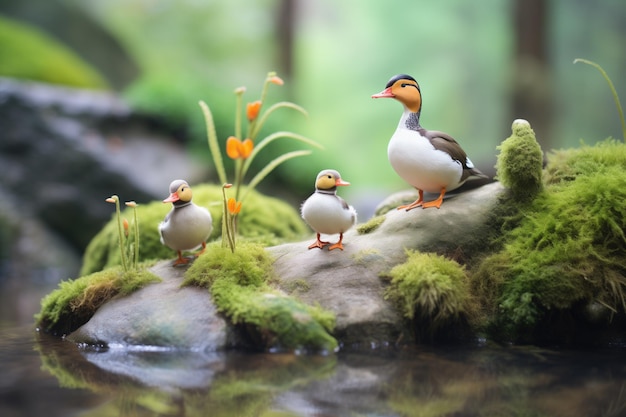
(405, 84)
(330, 177)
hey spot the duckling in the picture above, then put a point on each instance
(326, 212)
(429, 160)
(187, 226)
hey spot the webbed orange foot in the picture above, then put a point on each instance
(319, 243)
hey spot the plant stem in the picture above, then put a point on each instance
(136, 259)
(238, 111)
(612, 87)
(225, 222)
(239, 165)
(120, 230)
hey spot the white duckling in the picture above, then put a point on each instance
(187, 226)
(326, 212)
(428, 160)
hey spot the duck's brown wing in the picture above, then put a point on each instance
(446, 143)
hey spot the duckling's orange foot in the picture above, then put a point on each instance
(319, 243)
(201, 251)
(337, 245)
(181, 261)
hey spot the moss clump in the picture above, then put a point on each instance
(567, 251)
(366, 256)
(430, 290)
(371, 225)
(520, 162)
(262, 218)
(567, 165)
(27, 53)
(239, 283)
(75, 301)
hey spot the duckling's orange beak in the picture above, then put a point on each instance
(172, 198)
(386, 93)
(341, 182)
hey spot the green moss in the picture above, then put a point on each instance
(297, 286)
(75, 301)
(240, 286)
(365, 257)
(262, 218)
(429, 286)
(568, 249)
(371, 225)
(519, 164)
(27, 53)
(567, 165)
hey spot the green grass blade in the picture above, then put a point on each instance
(213, 144)
(277, 135)
(272, 109)
(612, 87)
(270, 167)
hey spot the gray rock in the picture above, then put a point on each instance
(161, 315)
(348, 282)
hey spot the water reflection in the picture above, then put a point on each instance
(42, 375)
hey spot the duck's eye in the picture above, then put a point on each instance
(330, 177)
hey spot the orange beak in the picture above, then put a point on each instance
(172, 198)
(341, 182)
(386, 93)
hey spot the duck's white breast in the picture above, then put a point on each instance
(326, 214)
(421, 165)
(186, 228)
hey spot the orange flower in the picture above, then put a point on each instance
(236, 149)
(252, 110)
(234, 207)
(125, 223)
(276, 80)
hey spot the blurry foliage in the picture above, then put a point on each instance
(30, 54)
(191, 50)
(460, 52)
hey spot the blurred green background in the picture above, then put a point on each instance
(480, 65)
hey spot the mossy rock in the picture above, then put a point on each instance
(567, 252)
(239, 283)
(433, 293)
(520, 162)
(27, 53)
(262, 218)
(75, 301)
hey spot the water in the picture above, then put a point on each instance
(45, 376)
(42, 375)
